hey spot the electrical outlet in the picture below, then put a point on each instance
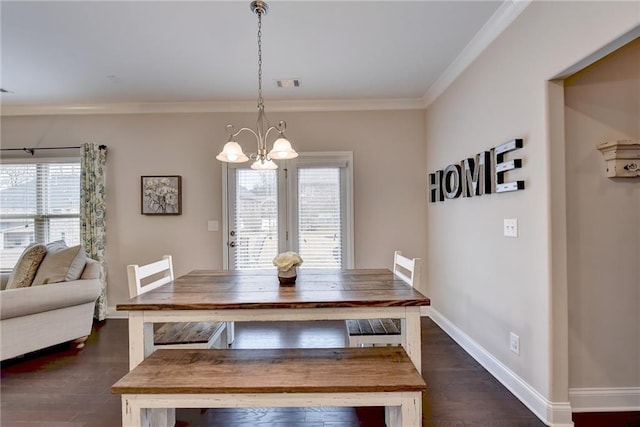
(511, 227)
(514, 343)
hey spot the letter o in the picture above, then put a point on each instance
(452, 188)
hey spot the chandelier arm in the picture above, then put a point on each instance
(247, 129)
(276, 128)
(261, 143)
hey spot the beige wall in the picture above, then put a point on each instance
(603, 236)
(485, 284)
(389, 178)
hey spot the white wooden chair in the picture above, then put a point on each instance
(173, 335)
(371, 332)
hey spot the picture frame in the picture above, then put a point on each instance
(161, 195)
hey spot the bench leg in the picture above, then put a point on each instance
(133, 415)
(408, 414)
(412, 411)
(392, 416)
(163, 417)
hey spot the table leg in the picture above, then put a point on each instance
(140, 347)
(411, 340)
(140, 339)
(231, 334)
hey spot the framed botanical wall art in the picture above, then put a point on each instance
(161, 195)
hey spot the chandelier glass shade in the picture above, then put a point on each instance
(282, 149)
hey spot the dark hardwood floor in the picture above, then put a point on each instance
(64, 387)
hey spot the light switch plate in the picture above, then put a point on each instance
(511, 227)
(212, 225)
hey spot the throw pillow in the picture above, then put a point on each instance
(61, 265)
(27, 266)
(56, 245)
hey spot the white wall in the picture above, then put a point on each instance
(483, 285)
(389, 178)
(603, 104)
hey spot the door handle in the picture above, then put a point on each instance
(232, 244)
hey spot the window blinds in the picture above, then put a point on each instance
(256, 219)
(39, 202)
(320, 217)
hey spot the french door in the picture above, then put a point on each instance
(305, 206)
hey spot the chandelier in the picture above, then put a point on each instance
(281, 150)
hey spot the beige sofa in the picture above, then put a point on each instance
(39, 316)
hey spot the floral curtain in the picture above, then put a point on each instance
(92, 213)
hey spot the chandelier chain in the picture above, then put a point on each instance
(260, 99)
(282, 150)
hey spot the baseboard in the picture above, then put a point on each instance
(112, 313)
(557, 414)
(620, 399)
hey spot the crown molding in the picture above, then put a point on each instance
(215, 107)
(616, 44)
(508, 11)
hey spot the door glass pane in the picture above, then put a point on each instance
(320, 217)
(256, 219)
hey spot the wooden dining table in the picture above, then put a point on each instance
(256, 295)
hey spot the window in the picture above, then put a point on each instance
(255, 218)
(319, 217)
(39, 202)
(304, 206)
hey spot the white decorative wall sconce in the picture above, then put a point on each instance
(622, 158)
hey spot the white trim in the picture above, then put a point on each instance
(337, 159)
(619, 399)
(557, 414)
(508, 11)
(225, 215)
(287, 199)
(112, 313)
(216, 107)
(600, 53)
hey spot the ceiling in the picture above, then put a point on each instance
(107, 52)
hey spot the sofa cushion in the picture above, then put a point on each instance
(56, 245)
(61, 265)
(92, 270)
(25, 270)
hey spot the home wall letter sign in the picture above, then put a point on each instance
(475, 176)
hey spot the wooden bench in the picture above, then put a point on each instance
(190, 335)
(185, 378)
(369, 327)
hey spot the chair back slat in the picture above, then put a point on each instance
(161, 271)
(408, 269)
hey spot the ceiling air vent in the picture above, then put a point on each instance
(288, 83)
